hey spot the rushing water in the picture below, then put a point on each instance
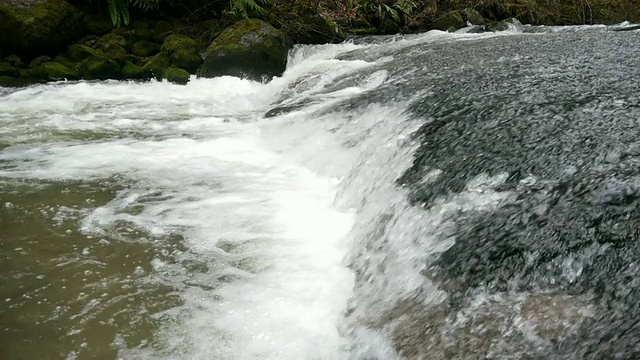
(435, 196)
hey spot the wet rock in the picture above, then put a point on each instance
(38, 60)
(450, 21)
(10, 81)
(144, 48)
(158, 64)
(176, 75)
(99, 68)
(114, 46)
(183, 51)
(305, 25)
(15, 61)
(473, 17)
(78, 52)
(51, 71)
(249, 48)
(42, 27)
(135, 72)
(7, 70)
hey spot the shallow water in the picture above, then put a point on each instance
(331, 213)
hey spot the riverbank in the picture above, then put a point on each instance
(51, 40)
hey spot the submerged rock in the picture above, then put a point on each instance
(249, 48)
(40, 27)
(183, 52)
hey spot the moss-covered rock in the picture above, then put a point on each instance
(7, 70)
(78, 52)
(15, 61)
(144, 48)
(157, 64)
(99, 68)
(64, 61)
(10, 81)
(305, 25)
(54, 71)
(175, 75)
(249, 48)
(135, 72)
(44, 27)
(97, 25)
(473, 16)
(114, 40)
(38, 60)
(183, 52)
(450, 21)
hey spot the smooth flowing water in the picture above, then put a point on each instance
(434, 196)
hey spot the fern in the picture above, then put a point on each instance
(119, 9)
(242, 8)
(119, 12)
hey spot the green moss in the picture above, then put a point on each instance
(135, 72)
(7, 70)
(25, 73)
(143, 34)
(249, 48)
(15, 61)
(448, 21)
(64, 61)
(78, 52)
(175, 75)
(99, 68)
(38, 60)
(44, 27)
(144, 48)
(9, 81)
(157, 64)
(54, 71)
(113, 40)
(473, 16)
(183, 52)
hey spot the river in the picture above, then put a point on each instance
(430, 196)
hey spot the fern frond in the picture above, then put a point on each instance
(146, 5)
(393, 12)
(118, 12)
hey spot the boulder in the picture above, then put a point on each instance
(54, 71)
(473, 16)
(78, 52)
(175, 75)
(38, 26)
(99, 67)
(183, 52)
(15, 61)
(38, 60)
(135, 72)
(249, 48)
(450, 21)
(7, 70)
(305, 25)
(158, 64)
(144, 48)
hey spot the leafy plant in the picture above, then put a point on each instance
(242, 8)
